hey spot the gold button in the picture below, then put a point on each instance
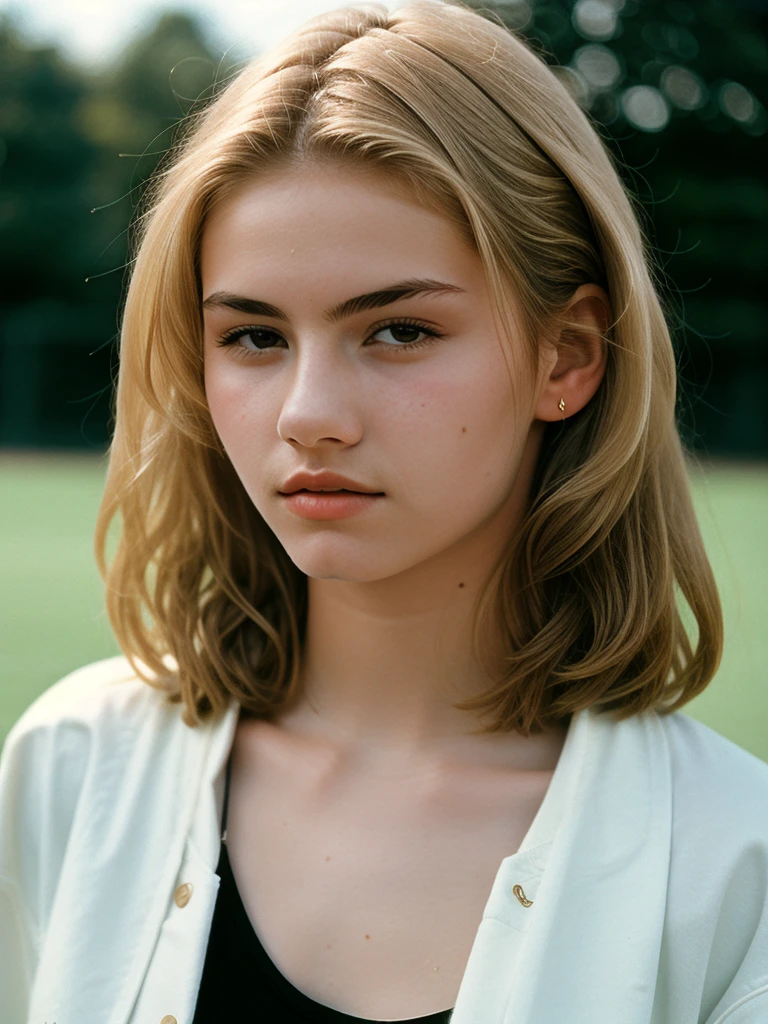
(168, 1019)
(181, 896)
(520, 894)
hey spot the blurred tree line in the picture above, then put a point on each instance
(672, 87)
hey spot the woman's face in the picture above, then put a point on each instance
(444, 429)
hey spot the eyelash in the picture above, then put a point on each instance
(232, 336)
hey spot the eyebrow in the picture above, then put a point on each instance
(370, 300)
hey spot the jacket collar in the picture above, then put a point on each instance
(588, 948)
(205, 827)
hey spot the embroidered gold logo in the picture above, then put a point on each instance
(518, 891)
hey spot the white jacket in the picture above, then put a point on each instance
(645, 870)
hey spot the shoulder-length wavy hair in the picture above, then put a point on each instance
(203, 599)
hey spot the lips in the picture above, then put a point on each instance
(320, 481)
(308, 503)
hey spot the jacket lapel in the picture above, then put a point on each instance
(120, 869)
(172, 980)
(589, 949)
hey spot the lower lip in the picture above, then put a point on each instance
(338, 505)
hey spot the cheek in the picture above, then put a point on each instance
(241, 416)
(467, 423)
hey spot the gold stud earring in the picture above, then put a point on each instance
(561, 407)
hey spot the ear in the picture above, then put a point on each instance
(575, 363)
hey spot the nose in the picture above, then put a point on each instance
(320, 399)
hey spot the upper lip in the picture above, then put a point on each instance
(318, 481)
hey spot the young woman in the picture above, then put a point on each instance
(410, 749)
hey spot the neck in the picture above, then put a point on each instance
(384, 662)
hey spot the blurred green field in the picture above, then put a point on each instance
(52, 619)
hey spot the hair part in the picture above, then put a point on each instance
(459, 112)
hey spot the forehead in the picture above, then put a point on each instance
(319, 218)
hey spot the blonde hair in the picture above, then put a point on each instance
(459, 110)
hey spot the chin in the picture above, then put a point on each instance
(360, 565)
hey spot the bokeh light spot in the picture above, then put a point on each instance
(598, 65)
(683, 87)
(645, 108)
(596, 19)
(738, 102)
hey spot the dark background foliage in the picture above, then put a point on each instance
(673, 87)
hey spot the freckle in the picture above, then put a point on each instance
(461, 584)
(463, 430)
(327, 858)
(367, 936)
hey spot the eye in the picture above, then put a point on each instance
(404, 330)
(260, 338)
(264, 339)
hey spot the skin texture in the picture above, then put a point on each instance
(366, 826)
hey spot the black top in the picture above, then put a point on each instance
(239, 976)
